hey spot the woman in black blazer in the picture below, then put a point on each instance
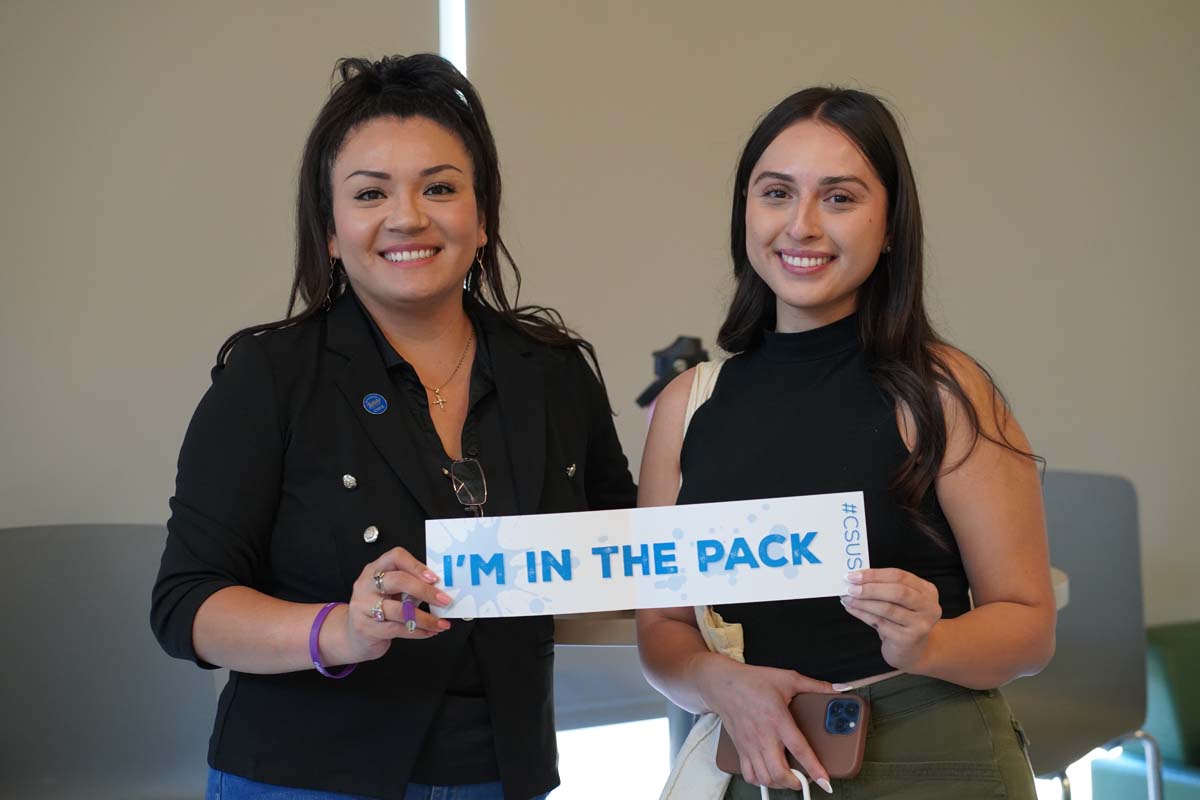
(404, 385)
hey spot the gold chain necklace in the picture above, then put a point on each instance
(437, 393)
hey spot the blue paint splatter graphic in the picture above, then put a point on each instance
(489, 597)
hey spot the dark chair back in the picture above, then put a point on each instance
(91, 705)
(1094, 690)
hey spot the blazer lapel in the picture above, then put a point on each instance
(362, 382)
(520, 385)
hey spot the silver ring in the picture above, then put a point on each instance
(376, 612)
(378, 578)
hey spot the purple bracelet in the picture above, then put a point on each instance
(314, 635)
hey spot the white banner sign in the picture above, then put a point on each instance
(712, 553)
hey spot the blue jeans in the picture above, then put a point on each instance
(223, 786)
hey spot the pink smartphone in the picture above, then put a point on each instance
(835, 726)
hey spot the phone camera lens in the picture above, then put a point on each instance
(852, 710)
(840, 725)
(835, 708)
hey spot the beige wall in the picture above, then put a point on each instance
(1054, 146)
(148, 161)
(149, 156)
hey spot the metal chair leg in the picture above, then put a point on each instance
(1064, 784)
(1153, 763)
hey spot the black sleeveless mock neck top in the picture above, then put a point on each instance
(799, 414)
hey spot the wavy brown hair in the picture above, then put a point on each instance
(905, 355)
(421, 85)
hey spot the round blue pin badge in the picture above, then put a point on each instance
(375, 403)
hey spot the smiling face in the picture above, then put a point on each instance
(816, 222)
(405, 221)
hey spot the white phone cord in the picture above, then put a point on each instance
(803, 786)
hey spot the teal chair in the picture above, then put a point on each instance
(1172, 718)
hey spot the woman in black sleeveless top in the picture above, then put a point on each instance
(838, 383)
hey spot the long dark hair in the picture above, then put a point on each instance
(421, 85)
(905, 355)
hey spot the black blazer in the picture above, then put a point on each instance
(260, 502)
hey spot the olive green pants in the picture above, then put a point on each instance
(930, 739)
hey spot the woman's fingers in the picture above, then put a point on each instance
(921, 597)
(782, 776)
(396, 582)
(384, 618)
(387, 595)
(761, 743)
(764, 763)
(882, 575)
(874, 620)
(753, 771)
(398, 630)
(770, 768)
(878, 608)
(756, 715)
(399, 559)
(802, 684)
(393, 611)
(802, 751)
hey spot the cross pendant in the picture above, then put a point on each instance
(438, 399)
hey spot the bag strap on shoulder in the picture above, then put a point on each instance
(703, 383)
